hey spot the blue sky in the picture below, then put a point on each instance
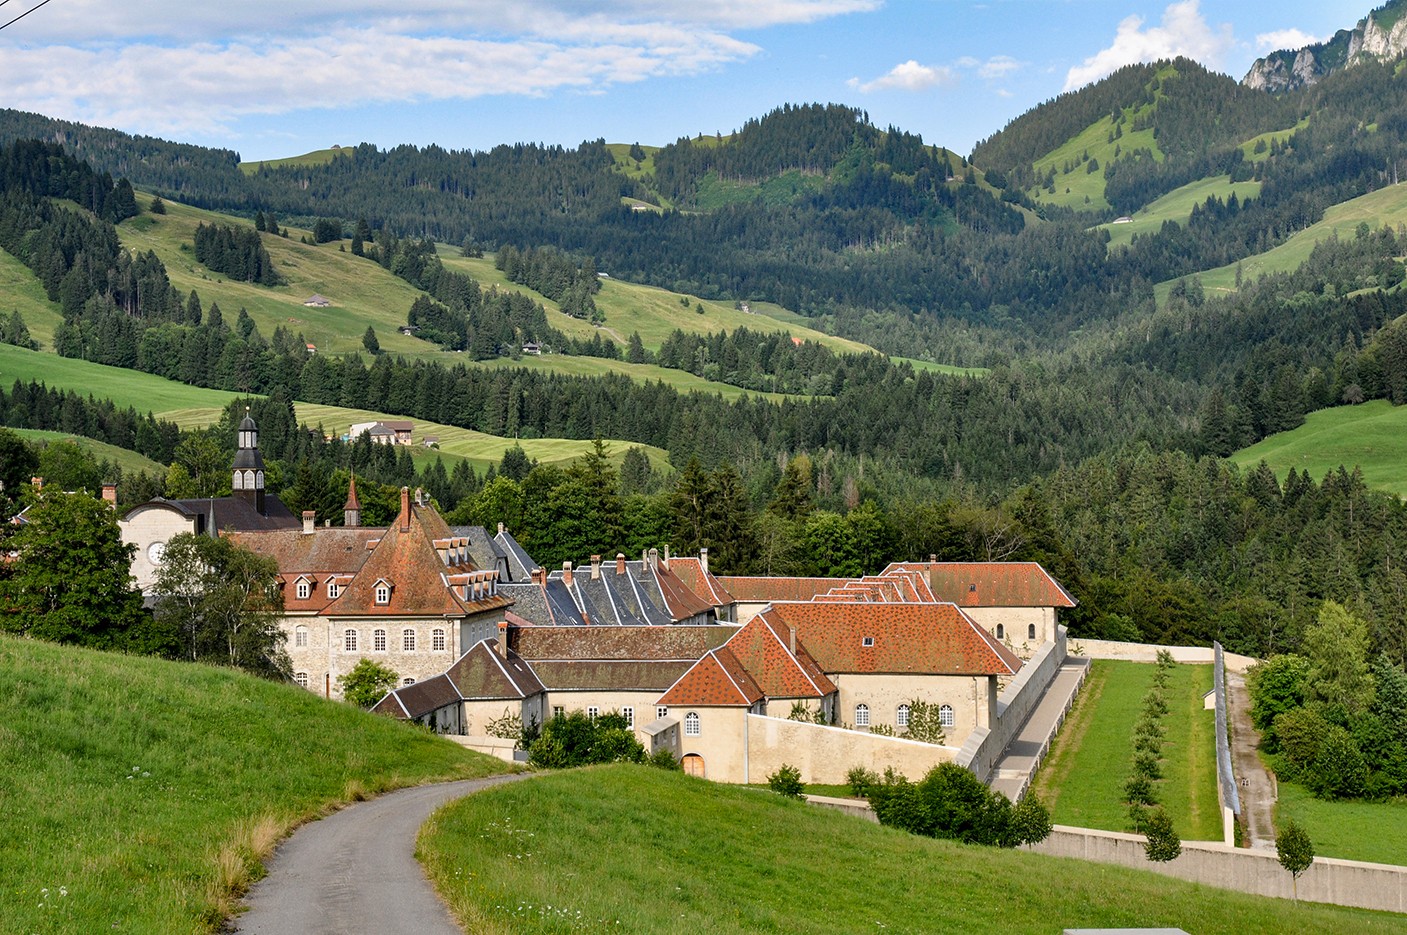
(275, 78)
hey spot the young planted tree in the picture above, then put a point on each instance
(367, 683)
(1162, 843)
(1296, 853)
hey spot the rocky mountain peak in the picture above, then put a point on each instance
(1379, 36)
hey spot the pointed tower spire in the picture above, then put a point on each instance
(352, 509)
(247, 480)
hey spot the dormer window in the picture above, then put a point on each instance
(305, 589)
(383, 592)
(867, 641)
(332, 589)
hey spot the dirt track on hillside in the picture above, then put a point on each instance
(1256, 786)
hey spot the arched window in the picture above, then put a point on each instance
(238, 480)
(305, 589)
(349, 640)
(258, 480)
(300, 637)
(691, 724)
(901, 717)
(862, 715)
(1001, 632)
(437, 640)
(378, 640)
(1030, 631)
(408, 640)
(945, 715)
(300, 679)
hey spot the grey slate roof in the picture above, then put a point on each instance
(520, 563)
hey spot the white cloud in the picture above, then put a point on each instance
(1285, 39)
(171, 65)
(999, 66)
(1183, 32)
(906, 76)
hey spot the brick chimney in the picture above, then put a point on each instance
(503, 638)
(595, 567)
(791, 639)
(110, 495)
(620, 563)
(539, 576)
(703, 557)
(404, 519)
(310, 519)
(567, 573)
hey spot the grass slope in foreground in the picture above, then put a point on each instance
(141, 793)
(1082, 780)
(1351, 830)
(634, 849)
(1371, 436)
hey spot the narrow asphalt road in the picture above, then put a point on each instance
(1257, 788)
(354, 872)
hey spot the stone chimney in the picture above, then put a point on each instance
(567, 573)
(620, 563)
(404, 519)
(703, 557)
(310, 521)
(503, 638)
(666, 558)
(37, 483)
(500, 529)
(791, 639)
(595, 568)
(539, 576)
(654, 558)
(110, 495)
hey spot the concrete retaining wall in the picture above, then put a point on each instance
(500, 747)
(825, 754)
(1147, 652)
(1341, 882)
(985, 745)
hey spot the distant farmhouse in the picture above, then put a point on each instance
(733, 675)
(389, 432)
(317, 301)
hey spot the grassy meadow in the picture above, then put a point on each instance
(129, 461)
(635, 849)
(1386, 206)
(1371, 436)
(1082, 779)
(1177, 206)
(318, 157)
(21, 292)
(1351, 830)
(141, 795)
(1074, 187)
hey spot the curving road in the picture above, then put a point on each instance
(355, 871)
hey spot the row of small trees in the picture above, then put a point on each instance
(1145, 815)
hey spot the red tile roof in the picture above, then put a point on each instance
(753, 589)
(701, 581)
(680, 600)
(933, 639)
(717, 679)
(763, 648)
(991, 584)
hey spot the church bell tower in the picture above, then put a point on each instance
(247, 482)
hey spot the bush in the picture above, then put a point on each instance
(1299, 734)
(1139, 790)
(1155, 704)
(1338, 770)
(1277, 686)
(861, 781)
(1148, 743)
(949, 802)
(576, 740)
(1030, 821)
(367, 683)
(663, 758)
(1148, 727)
(1146, 764)
(786, 781)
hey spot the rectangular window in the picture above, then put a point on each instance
(349, 640)
(661, 711)
(691, 724)
(592, 711)
(301, 678)
(332, 590)
(438, 638)
(867, 641)
(378, 641)
(629, 715)
(862, 715)
(408, 641)
(383, 594)
(300, 637)
(304, 590)
(558, 711)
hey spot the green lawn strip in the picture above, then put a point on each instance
(142, 793)
(143, 391)
(1351, 830)
(920, 365)
(1371, 436)
(129, 461)
(1386, 206)
(1093, 768)
(635, 849)
(21, 292)
(681, 380)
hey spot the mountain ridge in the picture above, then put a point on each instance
(1380, 36)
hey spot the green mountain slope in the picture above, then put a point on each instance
(140, 795)
(1371, 437)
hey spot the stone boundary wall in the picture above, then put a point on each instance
(501, 747)
(1019, 793)
(825, 754)
(1225, 774)
(1147, 652)
(1340, 882)
(985, 745)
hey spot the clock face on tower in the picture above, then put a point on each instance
(155, 551)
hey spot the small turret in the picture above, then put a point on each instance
(352, 509)
(247, 481)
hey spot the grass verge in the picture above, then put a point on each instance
(635, 849)
(1083, 777)
(141, 795)
(1371, 831)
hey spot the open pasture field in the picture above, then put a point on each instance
(1371, 437)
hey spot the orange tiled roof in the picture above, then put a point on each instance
(700, 580)
(991, 584)
(679, 598)
(934, 639)
(716, 679)
(763, 648)
(761, 588)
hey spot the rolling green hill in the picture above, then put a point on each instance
(21, 292)
(318, 157)
(141, 795)
(1177, 206)
(1371, 436)
(129, 461)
